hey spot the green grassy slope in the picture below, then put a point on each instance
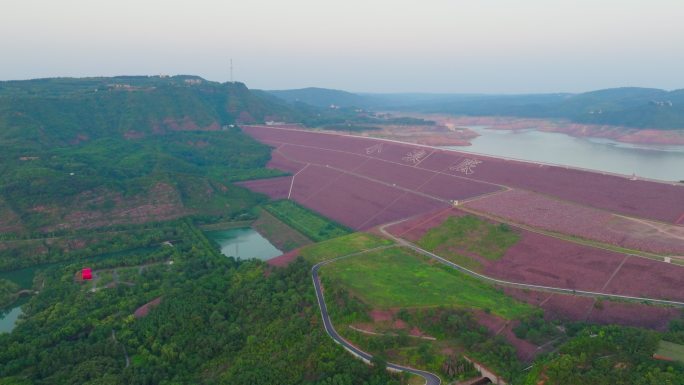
(85, 153)
(397, 277)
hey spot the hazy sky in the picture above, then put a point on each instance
(489, 46)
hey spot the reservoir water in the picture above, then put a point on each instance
(244, 243)
(654, 162)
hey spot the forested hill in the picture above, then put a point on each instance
(93, 152)
(322, 97)
(65, 111)
(628, 106)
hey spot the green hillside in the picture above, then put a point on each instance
(87, 153)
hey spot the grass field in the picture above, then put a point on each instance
(277, 232)
(338, 247)
(468, 234)
(315, 226)
(671, 351)
(398, 277)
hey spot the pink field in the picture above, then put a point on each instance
(646, 278)
(525, 350)
(284, 259)
(350, 183)
(546, 213)
(144, 310)
(352, 200)
(451, 188)
(575, 308)
(311, 180)
(363, 182)
(407, 177)
(543, 260)
(280, 162)
(321, 157)
(535, 259)
(657, 201)
(406, 206)
(275, 188)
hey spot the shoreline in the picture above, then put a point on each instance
(645, 137)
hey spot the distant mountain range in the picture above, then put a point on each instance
(629, 106)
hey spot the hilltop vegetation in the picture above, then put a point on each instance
(628, 107)
(85, 153)
(321, 97)
(610, 355)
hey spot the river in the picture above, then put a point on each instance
(244, 243)
(654, 162)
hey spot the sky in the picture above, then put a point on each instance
(445, 46)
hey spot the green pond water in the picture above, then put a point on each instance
(9, 317)
(244, 243)
(653, 162)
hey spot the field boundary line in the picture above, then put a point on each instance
(289, 194)
(519, 285)
(590, 310)
(352, 327)
(615, 272)
(542, 303)
(403, 194)
(680, 220)
(441, 212)
(333, 180)
(394, 201)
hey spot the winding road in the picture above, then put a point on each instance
(430, 378)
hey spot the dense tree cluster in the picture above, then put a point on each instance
(607, 355)
(219, 321)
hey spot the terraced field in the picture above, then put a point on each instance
(363, 182)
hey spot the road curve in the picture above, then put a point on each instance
(430, 378)
(518, 285)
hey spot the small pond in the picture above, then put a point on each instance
(9, 316)
(244, 243)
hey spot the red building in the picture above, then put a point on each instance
(86, 274)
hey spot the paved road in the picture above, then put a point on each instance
(501, 282)
(430, 379)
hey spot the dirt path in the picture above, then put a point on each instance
(128, 360)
